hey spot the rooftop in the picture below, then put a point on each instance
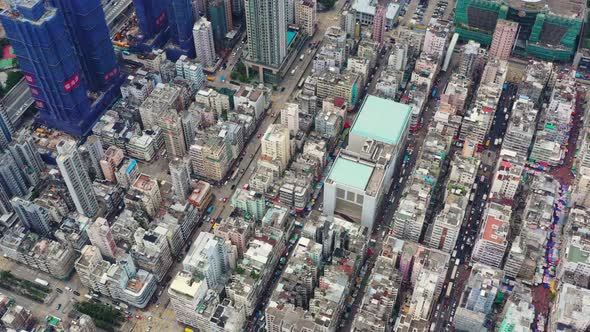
(566, 8)
(382, 119)
(369, 6)
(351, 173)
(495, 230)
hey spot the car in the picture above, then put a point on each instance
(68, 289)
(224, 199)
(259, 135)
(59, 290)
(58, 306)
(76, 293)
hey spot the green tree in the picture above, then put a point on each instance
(13, 77)
(327, 4)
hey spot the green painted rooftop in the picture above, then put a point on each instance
(350, 173)
(382, 119)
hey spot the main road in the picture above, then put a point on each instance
(279, 99)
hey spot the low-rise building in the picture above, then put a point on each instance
(145, 193)
(151, 252)
(249, 202)
(478, 297)
(46, 255)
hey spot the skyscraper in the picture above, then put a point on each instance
(181, 20)
(11, 177)
(85, 21)
(64, 53)
(217, 17)
(379, 24)
(79, 186)
(92, 153)
(27, 158)
(266, 26)
(32, 216)
(151, 16)
(229, 14)
(204, 46)
(180, 174)
(503, 40)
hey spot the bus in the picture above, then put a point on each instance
(449, 289)
(454, 272)
(235, 174)
(41, 282)
(301, 82)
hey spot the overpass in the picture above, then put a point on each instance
(17, 101)
(113, 9)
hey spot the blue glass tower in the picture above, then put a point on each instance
(151, 16)
(181, 21)
(48, 59)
(85, 20)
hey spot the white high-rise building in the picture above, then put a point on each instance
(100, 235)
(180, 173)
(276, 144)
(203, 36)
(266, 26)
(290, 117)
(79, 186)
(208, 258)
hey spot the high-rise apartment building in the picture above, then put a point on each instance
(191, 71)
(11, 177)
(92, 153)
(64, 50)
(79, 185)
(378, 33)
(180, 174)
(171, 126)
(32, 216)
(151, 252)
(6, 129)
(266, 26)
(26, 157)
(503, 40)
(210, 158)
(204, 45)
(100, 235)
(109, 164)
(305, 15)
(208, 257)
(290, 117)
(276, 144)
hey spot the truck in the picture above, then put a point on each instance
(41, 282)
